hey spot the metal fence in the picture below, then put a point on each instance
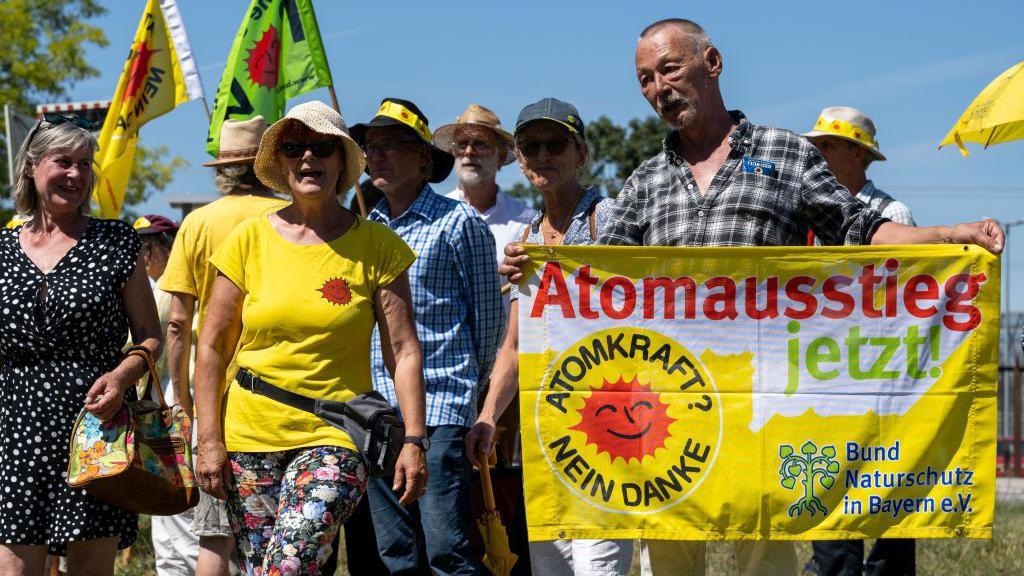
(1011, 359)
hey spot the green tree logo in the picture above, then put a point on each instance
(809, 469)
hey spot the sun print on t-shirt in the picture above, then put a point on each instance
(336, 291)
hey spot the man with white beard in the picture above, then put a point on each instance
(481, 148)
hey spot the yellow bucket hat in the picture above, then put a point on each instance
(849, 124)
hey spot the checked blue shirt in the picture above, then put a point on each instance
(456, 297)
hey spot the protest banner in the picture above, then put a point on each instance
(759, 393)
(159, 74)
(277, 54)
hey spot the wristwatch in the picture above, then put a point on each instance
(421, 441)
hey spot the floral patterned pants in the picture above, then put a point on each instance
(286, 507)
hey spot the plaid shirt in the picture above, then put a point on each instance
(457, 301)
(661, 205)
(896, 211)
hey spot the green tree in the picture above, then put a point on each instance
(42, 56)
(616, 151)
(149, 172)
(526, 193)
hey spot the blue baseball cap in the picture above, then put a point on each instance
(554, 110)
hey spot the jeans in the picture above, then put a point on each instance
(435, 527)
(888, 557)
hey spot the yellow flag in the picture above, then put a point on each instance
(782, 393)
(160, 73)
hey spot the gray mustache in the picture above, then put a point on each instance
(670, 100)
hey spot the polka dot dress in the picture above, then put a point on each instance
(58, 333)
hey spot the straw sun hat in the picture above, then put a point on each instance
(321, 119)
(239, 140)
(849, 124)
(476, 115)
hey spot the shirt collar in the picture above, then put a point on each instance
(421, 206)
(500, 198)
(867, 192)
(739, 138)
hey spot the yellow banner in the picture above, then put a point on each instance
(759, 393)
(152, 84)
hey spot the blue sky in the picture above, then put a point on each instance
(912, 66)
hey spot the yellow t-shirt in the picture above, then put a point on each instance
(307, 318)
(188, 269)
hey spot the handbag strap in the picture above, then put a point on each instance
(153, 382)
(253, 383)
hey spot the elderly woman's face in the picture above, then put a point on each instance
(313, 161)
(62, 180)
(548, 155)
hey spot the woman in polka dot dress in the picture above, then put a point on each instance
(70, 289)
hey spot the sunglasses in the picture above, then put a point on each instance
(388, 148)
(321, 149)
(478, 145)
(532, 148)
(56, 119)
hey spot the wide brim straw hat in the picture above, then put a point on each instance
(476, 115)
(321, 119)
(849, 124)
(239, 141)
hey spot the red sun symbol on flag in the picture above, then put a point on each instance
(336, 291)
(627, 420)
(264, 59)
(139, 71)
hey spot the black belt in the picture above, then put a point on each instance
(255, 384)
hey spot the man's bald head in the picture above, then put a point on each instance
(677, 67)
(692, 31)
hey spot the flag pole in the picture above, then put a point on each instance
(359, 190)
(206, 107)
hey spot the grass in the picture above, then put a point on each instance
(1001, 556)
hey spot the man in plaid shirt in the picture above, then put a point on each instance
(723, 181)
(460, 317)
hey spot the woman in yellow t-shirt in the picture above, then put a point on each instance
(298, 293)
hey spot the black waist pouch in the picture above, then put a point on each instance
(369, 419)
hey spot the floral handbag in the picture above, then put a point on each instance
(139, 460)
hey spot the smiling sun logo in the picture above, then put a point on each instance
(336, 291)
(625, 419)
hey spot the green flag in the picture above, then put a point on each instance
(277, 55)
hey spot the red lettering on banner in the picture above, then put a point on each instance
(794, 293)
(553, 277)
(892, 265)
(771, 307)
(838, 299)
(957, 297)
(583, 283)
(727, 299)
(846, 302)
(912, 294)
(868, 280)
(669, 287)
(628, 297)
